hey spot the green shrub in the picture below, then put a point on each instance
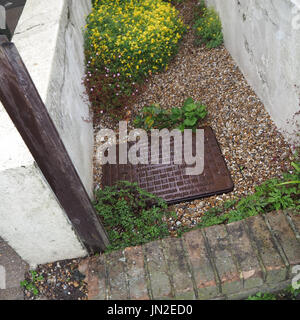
(131, 215)
(262, 296)
(187, 117)
(208, 28)
(125, 41)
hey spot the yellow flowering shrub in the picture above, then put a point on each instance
(125, 41)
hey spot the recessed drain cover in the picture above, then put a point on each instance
(170, 181)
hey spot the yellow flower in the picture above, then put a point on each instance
(133, 34)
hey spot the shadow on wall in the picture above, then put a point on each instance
(10, 12)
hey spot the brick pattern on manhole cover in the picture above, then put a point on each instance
(170, 181)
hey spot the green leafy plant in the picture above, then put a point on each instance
(294, 293)
(288, 293)
(297, 168)
(269, 196)
(187, 117)
(208, 28)
(262, 296)
(31, 284)
(131, 215)
(153, 117)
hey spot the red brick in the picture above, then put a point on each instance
(202, 269)
(117, 276)
(95, 270)
(136, 273)
(220, 250)
(158, 273)
(272, 260)
(285, 235)
(245, 256)
(179, 269)
(295, 217)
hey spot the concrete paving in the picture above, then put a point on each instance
(12, 270)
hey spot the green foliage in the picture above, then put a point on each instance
(269, 196)
(153, 117)
(30, 284)
(131, 215)
(187, 117)
(294, 293)
(201, 6)
(297, 168)
(262, 296)
(175, 2)
(212, 217)
(208, 28)
(288, 293)
(126, 41)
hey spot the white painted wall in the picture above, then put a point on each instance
(260, 37)
(49, 39)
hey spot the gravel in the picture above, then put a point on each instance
(253, 148)
(60, 281)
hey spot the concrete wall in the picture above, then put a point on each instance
(261, 38)
(49, 39)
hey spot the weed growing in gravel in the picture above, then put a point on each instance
(126, 41)
(30, 284)
(274, 194)
(294, 293)
(187, 117)
(131, 215)
(208, 28)
(262, 296)
(288, 293)
(297, 168)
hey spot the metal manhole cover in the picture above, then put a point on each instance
(170, 181)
